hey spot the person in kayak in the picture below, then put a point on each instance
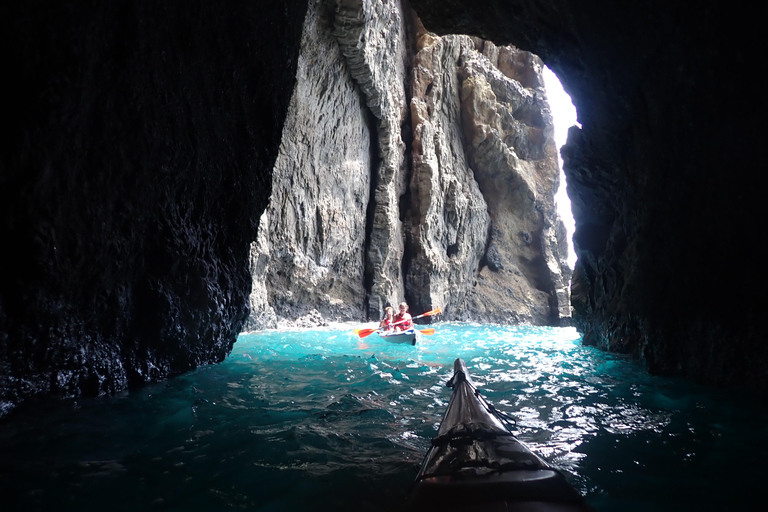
(386, 323)
(403, 320)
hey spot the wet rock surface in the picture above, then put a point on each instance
(646, 173)
(136, 165)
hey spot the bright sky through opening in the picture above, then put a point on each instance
(564, 115)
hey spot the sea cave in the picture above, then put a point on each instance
(142, 138)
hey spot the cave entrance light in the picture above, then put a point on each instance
(564, 116)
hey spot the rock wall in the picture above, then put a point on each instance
(456, 148)
(373, 35)
(139, 142)
(448, 217)
(488, 243)
(662, 175)
(510, 141)
(310, 252)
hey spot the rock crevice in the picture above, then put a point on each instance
(455, 140)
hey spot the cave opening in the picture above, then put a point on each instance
(564, 116)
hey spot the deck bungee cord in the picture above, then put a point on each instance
(476, 462)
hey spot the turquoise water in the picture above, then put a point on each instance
(322, 420)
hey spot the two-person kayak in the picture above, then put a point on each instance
(410, 336)
(476, 464)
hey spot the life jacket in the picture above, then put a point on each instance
(407, 324)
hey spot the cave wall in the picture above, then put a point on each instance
(136, 159)
(662, 174)
(141, 137)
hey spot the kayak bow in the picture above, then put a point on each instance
(475, 463)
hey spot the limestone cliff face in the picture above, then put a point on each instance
(373, 37)
(450, 201)
(309, 254)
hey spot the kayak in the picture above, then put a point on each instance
(408, 336)
(475, 463)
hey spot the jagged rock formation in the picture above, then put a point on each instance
(373, 37)
(448, 221)
(494, 212)
(661, 227)
(309, 254)
(509, 130)
(482, 243)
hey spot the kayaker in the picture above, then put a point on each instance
(403, 320)
(386, 322)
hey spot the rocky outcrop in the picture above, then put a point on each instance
(660, 176)
(479, 240)
(510, 141)
(488, 243)
(448, 221)
(373, 37)
(310, 250)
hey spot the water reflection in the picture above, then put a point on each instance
(321, 419)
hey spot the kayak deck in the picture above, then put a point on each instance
(475, 463)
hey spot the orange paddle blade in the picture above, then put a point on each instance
(428, 332)
(431, 313)
(365, 332)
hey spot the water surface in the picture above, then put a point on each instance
(322, 420)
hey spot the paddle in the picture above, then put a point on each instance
(367, 332)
